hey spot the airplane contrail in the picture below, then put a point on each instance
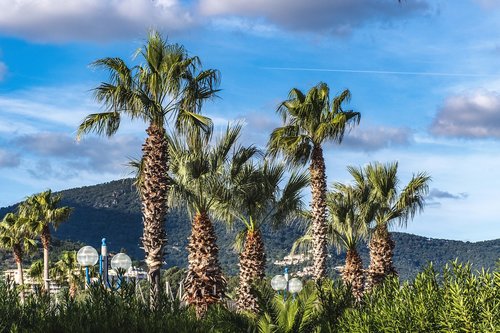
(375, 72)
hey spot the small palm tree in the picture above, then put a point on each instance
(16, 236)
(257, 200)
(168, 87)
(310, 120)
(36, 271)
(68, 271)
(201, 173)
(43, 211)
(350, 212)
(392, 205)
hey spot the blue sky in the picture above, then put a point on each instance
(424, 74)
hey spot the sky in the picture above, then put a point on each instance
(424, 74)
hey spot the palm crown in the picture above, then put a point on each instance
(350, 212)
(202, 172)
(42, 209)
(258, 198)
(309, 120)
(392, 203)
(15, 234)
(168, 82)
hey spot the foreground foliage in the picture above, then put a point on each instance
(457, 300)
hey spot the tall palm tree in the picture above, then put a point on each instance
(201, 173)
(350, 212)
(43, 211)
(168, 87)
(393, 205)
(258, 199)
(17, 237)
(309, 121)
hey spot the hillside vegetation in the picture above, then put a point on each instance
(112, 210)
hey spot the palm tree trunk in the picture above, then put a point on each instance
(318, 211)
(352, 273)
(204, 283)
(45, 238)
(18, 257)
(154, 208)
(252, 268)
(381, 253)
(72, 289)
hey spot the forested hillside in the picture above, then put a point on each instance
(112, 210)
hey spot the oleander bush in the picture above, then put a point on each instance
(454, 300)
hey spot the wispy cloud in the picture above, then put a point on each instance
(3, 70)
(9, 159)
(438, 194)
(375, 138)
(488, 4)
(56, 153)
(469, 115)
(359, 71)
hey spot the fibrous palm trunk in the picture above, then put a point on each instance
(204, 284)
(352, 273)
(18, 257)
(252, 268)
(318, 211)
(381, 253)
(45, 238)
(153, 193)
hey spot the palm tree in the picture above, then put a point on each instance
(67, 271)
(201, 173)
(16, 236)
(309, 121)
(36, 271)
(168, 87)
(257, 200)
(42, 212)
(392, 205)
(350, 212)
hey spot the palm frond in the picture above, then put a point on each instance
(100, 123)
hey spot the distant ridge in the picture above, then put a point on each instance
(112, 210)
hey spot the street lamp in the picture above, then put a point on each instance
(281, 282)
(87, 256)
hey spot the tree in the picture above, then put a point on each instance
(259, 199)
(67, 271)
(350, 212)
(17, 237)
(42, 212)
(392, 205)
(201, 173)
(168, 87)
(309, 121)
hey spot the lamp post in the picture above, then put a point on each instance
(281, 282)
(87, 256)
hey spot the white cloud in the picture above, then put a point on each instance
(336, 16)
(65, 20)
(469, 115)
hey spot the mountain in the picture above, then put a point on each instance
(112, 210)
